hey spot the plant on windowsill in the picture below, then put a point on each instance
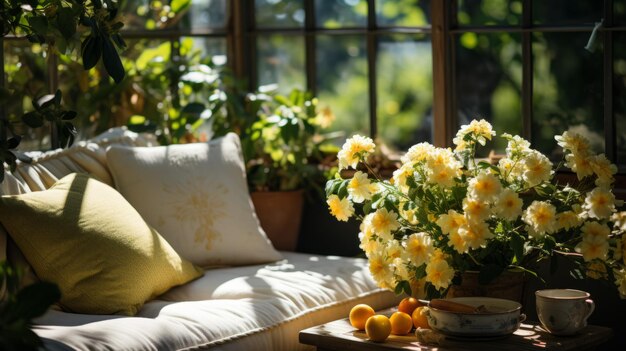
(286, 153)
(62, 26)
(445, 213)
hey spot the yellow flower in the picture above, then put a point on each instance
(439, 273)
(573, 142)
(381, 270)
(394, 249)
(484, 187)
(567, 220)
(401, 175)
(340, 208)
(475, 234)
(581, 165)
(451, 222)
(400, 269)
(458, 243)
(593, 247)
(417, 153)
(509, 205)
(475, 210)
(481, 130)
(384, 223)
(537, 168)
(510, 170)
(438, 255)
(354, 150)
(409, 215)
(595, 230)
(360, 187)
(418, 248)
(443, 176)
(604, 169)
(596, 270)
(541, 217)
(325, 117)
(516, 145)
(599, 203)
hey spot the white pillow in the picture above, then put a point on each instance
(196, 197)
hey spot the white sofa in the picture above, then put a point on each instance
(254, 307)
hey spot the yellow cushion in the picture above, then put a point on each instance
(84, 236)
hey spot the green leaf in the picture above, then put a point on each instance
(403, 286)
(112, 61)
(39, 24)
(343, 189)
(91, 49)
(33, 119)
(66, 22)
(195, 108)
(178, 6)
(488, 273)
(420, 272)
(517, 245)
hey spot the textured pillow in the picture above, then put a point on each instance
(82, 235)
(197, 197)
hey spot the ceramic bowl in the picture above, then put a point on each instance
(500, 317)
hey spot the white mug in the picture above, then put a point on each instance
(563, 311)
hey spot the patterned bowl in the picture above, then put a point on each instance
(496, 317)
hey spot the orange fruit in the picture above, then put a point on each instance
(378, 328)
(359, 315)
(401, 323)
(419, 317)
(408, 305)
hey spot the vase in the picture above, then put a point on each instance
(280, 214)
(508, 285)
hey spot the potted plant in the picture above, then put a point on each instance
(284, 150)
(445, 213)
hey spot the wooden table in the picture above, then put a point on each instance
(340, 335)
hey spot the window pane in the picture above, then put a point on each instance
(341, 13)
(619, 94)
(489, 83)
(204, 14)
(342, 82)
(550, 12)
(619, 12)
(490, 12)
(215, 48)
(281, 61)
(279, 13)
(567, 90)
(409, 13)
(405, 90)
(25, 72)
(146, 14)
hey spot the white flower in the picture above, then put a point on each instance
(541, 217)
(604, 169)
(451, 222)
(340, 208)
(516, 146)
(537, 168)
(417, 153)
(354, 150)
(481, 130)
(509, 205)
(475, 210)
(593, 247)
(360, 187)
(475, 234)
(439, 273)
(599, 203)
(381, 270)
(573, 142)
(384, 223)
(418, 248)
(484, 187)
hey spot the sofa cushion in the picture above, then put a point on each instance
(197, 197)
(82, 235)
(260, 307)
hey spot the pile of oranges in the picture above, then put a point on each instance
(411, 313)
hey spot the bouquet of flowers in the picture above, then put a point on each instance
(445, 212)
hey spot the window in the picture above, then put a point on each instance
(403, 71)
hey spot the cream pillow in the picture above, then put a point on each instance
(197, 197)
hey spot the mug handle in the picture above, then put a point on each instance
(591, 306)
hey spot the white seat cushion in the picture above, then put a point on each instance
(258, 307)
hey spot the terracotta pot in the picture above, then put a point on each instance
(509, 285)
(280, 213)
